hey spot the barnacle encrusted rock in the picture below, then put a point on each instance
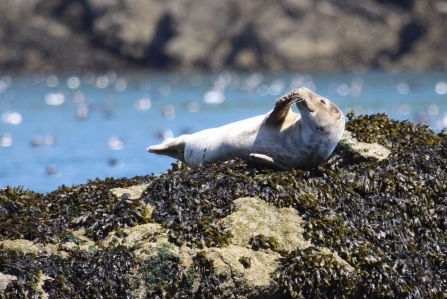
(356, 226)
(134, 192)
(5, 280)
(26, 246)
(373, 151)
(253, 216)
(252, 282)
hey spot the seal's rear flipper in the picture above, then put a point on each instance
(268, 161)
(172, 147)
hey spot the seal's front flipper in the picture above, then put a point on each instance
(283, 108)
(268, 161)
(172, 147)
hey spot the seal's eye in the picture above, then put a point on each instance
(323, 102)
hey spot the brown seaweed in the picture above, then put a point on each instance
(386, 219)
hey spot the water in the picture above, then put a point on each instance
(58, 130)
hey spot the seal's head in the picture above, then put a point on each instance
(321, 116)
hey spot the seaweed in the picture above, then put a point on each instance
(25, 268)
(312, 273)
(387, 219)
(390, 133)
(165, 277)
(92, 205)
(48, 218)
(24, 215)
(263, 242)
(159, 269)
(245, 261)
(190, 201)
(104, 273)
(209, 281)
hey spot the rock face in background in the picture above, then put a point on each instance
(301, 35)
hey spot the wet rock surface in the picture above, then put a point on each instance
(329, 35)
(356, 226)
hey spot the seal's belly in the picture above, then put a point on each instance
(224, 143)
(203, 146)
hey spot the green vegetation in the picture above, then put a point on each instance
(159, 270)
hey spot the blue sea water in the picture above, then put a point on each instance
(58, 130)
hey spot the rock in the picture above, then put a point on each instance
(5, 280)
(134, 192)
(298, 35)
(355, 226)
(35, 39)
(368, 151)
(251, 217)
(251, 282)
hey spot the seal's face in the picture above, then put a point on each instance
(320, 114)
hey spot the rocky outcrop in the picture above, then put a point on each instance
(370, 151)
(300, 35)
(369, 222)
(241, 268)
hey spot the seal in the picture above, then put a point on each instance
(281, 139)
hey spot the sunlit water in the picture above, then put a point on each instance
(58, 130)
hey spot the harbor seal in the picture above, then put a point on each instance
(280, 139)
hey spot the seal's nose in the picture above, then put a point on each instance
(301, 94)
(305, 92)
